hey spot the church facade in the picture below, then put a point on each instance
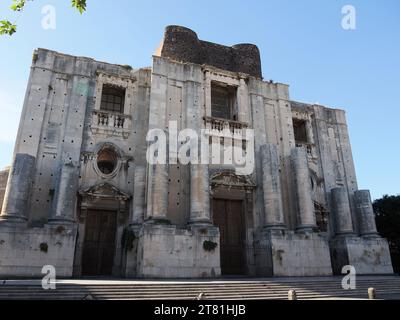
(86, 193)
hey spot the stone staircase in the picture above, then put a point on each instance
(387, 287)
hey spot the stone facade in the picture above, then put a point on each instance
(3, 184)
(83, 197)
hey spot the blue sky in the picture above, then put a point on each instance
(302, 43)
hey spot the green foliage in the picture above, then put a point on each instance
(35, 57)
(80, 5)
(18, 5)
(6, 27)
(209, 245)
(387, 215)
(127, 240)
(44, 247)
(127, 67)
(9, 28)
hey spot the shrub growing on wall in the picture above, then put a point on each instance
(128, 237)
(209, 245)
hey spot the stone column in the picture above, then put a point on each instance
(207, 93)
(64, 203)
(16, 197)
(138, 196)
(199, 194)
(157, 206)
(341, 211)
(243, 102)
(199, 177)
(305, 205)
(272, 188)
(365, 213)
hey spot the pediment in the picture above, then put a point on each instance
(105, 190)
(230, 179)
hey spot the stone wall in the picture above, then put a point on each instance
(293, 254)
(329, 154)
(24, 252)
(300, 255)
(169, 252)
(366, 255)
(3, 183)
(60, 125)
(63, 129)
(182, 44)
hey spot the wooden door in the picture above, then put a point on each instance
(99, 244)
(228, 216)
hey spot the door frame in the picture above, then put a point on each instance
(226, 185)
(102, 197)
(111, 212)
(243, 236)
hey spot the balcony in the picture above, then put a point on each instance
(224, 127)
(310, 147)
(108, 123)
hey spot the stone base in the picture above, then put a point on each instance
(165, 251)
(285, 253)
(366, 255)
(24, 251)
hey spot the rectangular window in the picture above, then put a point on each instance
(113, 99)
(300, 131)
(223, 102)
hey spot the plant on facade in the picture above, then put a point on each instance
(60, 229)
(44, 247)
(35, 57)
(127, 240)
(209, 245)
(127, 67)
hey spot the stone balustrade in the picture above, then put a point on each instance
(310, 148)
(224, 125)
(111, 123)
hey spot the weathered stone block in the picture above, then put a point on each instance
(24, 252)
(166, 251)
(294, 254)
(367, 255)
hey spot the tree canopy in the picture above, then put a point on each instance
(387, 214)
(9, 28)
